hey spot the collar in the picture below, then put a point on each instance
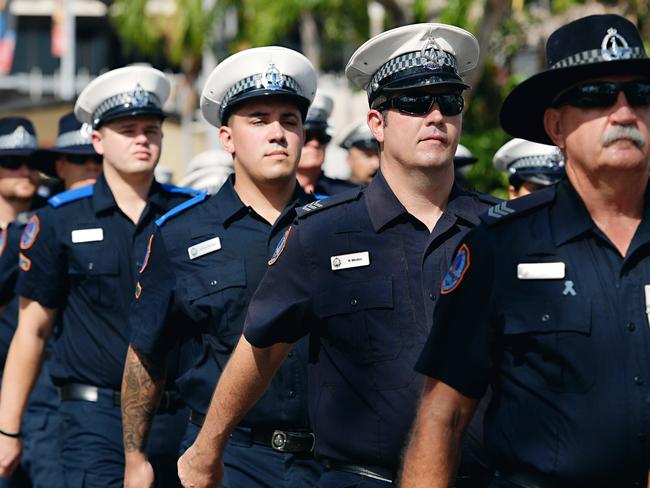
(569, 216)
(103, 198)
(383, 205)
(464, 205)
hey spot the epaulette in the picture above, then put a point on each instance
(180, 189)
(181, 208)
(507, 209)
(313, 207)
(489, 199)
(65, 197)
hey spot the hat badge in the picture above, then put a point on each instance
(20, 137)
(611, 49)
(139, 97)
(86, 131)
(432, 55)
(272, 79)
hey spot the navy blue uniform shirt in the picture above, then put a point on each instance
(82, 257)
(360, 275)
(203, 267)
(566, 346)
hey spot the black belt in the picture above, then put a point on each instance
(530, 479)
(89, 393)
(277, 439)
(374, 472)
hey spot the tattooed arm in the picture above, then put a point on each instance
(142, 386)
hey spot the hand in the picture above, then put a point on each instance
(10, 451)
(138, 474)
(198, 469)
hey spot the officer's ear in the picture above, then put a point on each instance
(553, 126)
(376, 123)
(225, 136)
(98, 141)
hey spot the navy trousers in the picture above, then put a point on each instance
(92, 448)
(248, 465)
(340, 479)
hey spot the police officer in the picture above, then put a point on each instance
(530, 165)
(19, 180)
(206, 259)
(363, 152)
(73, 159)
(360, 271)
(79, 258)
(548, 299)
(317, 137)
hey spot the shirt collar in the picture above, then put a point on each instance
(569, 216)
(103, 198)
(464, 205)
(383, 205)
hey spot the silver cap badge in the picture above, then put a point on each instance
(614, 45)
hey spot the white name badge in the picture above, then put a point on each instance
(203, 248)
(354, 260)
(541, 271)
(87, 235)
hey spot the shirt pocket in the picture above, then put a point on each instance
(96, 271)
(359, 319)
(219, 293)
(548, 343)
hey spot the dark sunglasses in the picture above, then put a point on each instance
(15, 162)
(448, 103)
(82, 158)
(319, 136)
(601, 94)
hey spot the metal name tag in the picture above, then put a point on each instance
(541, 271)
(203, 248)
(354, 260)
(87, 235)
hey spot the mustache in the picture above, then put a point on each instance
(619, 132)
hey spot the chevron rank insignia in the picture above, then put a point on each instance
(500, 210)
(312, 206)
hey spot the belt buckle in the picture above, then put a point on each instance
(279, 440)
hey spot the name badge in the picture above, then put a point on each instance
(354, 260)
(541, 271)
(87, 235)
(203, 248)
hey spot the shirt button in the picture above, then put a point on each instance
(638, 380)
(546, 317)
(214, 283)
(290, 355)
(432, 296)
(630, 326)
(353, 302)
(292, 394)
(91, 265)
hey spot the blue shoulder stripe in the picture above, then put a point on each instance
(71, 195)
(181, 208)
(181, 189)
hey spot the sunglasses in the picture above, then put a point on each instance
(602, 94)
(15, 162)
(448, 103)
(82, 158)
(319, 136)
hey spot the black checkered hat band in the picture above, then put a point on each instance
(255, 82)
(125, 100)
(407, 61)
(598, 56)
(539, 161)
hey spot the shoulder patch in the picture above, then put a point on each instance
(138, 290)
(313, 207)
(280, 247)
(24, 262)
(71, 195)
(456, 271)
(145, 261)
(506, 210)
(181, 189)
(30, 232)
(181, 208)
(3, 240)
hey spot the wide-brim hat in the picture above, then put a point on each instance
(413, 56)
(270, 71)
(123, 92)
(588, 48)
(17, 137)
(73, 138)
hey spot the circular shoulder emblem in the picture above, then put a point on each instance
(30, 232)
(456, 271)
